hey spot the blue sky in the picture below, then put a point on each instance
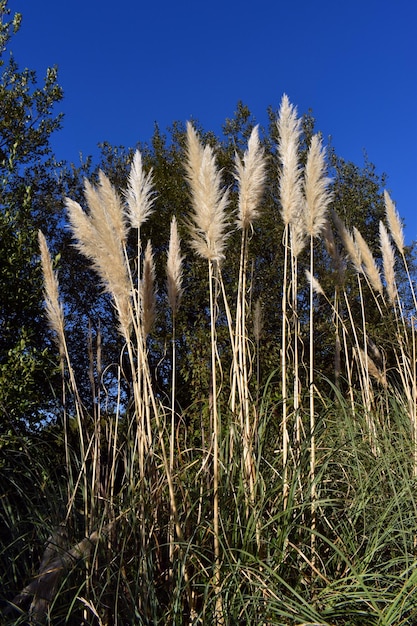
(128, 64)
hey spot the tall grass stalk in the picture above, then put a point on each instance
(55, 316)
(363, 263)
(289, 131)
(317, 199)
(174, 294)
(396, 230)
(250, 174)
(208, 233)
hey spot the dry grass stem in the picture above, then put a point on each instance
(209, 199)
(139, 194)
(250, 174)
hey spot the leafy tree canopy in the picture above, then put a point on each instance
(27, 191)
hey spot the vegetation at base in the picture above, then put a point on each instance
(214, 419)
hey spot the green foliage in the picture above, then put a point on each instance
(27, 194)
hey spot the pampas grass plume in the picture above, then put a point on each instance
(373, 369)
(289, 131)
(317, 288)
(174, 268)
(317, 195)
(139, 194)
(209, 222)
(368, 261)
(106, 211)
(148, 290)
(53, 306)
(388, 259)
(100, 236)
(348, 243)
(394, 222)
(338, 261)
(250, 174)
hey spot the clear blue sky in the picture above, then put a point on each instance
(127, 64)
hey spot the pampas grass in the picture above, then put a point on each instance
(394, 222)
(250, 176)
(317, 200)
(289, 131)
(301, 501)
(53, 306)
(139, 194)
(291, 199)
(208, 238)
(388, 260)
(148, 292)
(174, 272)
(370, 267)
(316, 189)
(101, 235)
(174, 269)
(397, 234)
(209, 220)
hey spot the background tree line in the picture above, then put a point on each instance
(33, 187)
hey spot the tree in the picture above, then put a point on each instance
(28, 193)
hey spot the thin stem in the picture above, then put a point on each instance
(216, 428)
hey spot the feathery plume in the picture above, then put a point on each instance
(297, 234)
(53, 306)
(139, 194)
(105, 208)
(148, 290)
(338, 261)
(348, 243)
(250, 174)
(314, 283)
(100, 236)
(368, 261)
(373, 369)
(208, 198)
(329, 241)
(174, 268)
(394, 222)
(317, 194)
(388, 259)
(289, 130)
